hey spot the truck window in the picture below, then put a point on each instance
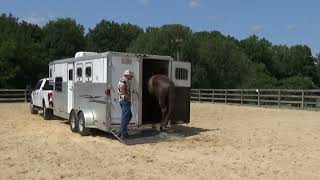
(58, 84)
(38, 85)
(47, 86)
(181, 74)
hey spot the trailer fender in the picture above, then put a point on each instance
(88, 117)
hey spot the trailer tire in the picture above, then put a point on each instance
(33, 110)
(47, 113)
(73, 122)
(82, 129)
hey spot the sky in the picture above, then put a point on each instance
(280, 21)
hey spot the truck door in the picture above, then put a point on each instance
(36, 94)
(181, 76)
(70, 87)
(118, 66)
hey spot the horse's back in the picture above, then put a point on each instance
(158, 81)
(159, 78)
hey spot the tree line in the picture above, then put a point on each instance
(218, 61)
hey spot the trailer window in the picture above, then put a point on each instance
(58, 84)
(50, 73)
(181, 74)
(79, 72)
(88, 72)
(70, 74)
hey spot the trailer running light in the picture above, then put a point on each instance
(108, 92)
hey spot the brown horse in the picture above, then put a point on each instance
(164, 90)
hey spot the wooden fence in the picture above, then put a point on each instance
(257, 97)
(260, 97)
(14, 95)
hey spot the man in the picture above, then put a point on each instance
(124, 92)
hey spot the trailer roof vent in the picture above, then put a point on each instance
(83, 54)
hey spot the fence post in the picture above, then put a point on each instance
(225, 97)
(241, 96)
(258, 91)
(25, 95)
(199, 95)
(212, 96)
(302, 99)
(279, 98)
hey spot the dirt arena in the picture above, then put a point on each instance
(231, 142)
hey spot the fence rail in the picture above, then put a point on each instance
(260, 97)
(15, 95)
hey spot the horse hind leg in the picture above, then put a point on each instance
(163, 122)
(163, 112)
(169, 110)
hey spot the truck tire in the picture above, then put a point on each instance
(73, 122)
(33, 110)
(47, 114)
(82, 129)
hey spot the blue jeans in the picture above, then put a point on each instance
(126, 116)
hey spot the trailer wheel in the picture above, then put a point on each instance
(73, 121)
(33, 110)
(82, 129)
(46, 112)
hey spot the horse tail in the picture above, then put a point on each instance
(171, 99)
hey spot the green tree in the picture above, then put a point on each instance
(218, 61)
(294, 61)
(162, 41)
(30, 57)
(297, 82)
(9, 27)
(62, 38)
(226, 66)
(258, 51)
(259, 77)
(111, 36)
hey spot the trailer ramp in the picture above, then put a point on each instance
(148, 135)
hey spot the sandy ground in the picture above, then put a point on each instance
(232, 142)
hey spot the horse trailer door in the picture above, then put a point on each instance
(118, 66)
(181, 76)
(70, 87)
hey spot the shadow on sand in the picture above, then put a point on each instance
(147, 134)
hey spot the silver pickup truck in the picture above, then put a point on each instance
(41, 99)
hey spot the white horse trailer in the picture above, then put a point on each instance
(85, 89)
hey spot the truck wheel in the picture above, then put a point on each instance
(33, 110)
(82, 129)
(46, 112)
(73, 122)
